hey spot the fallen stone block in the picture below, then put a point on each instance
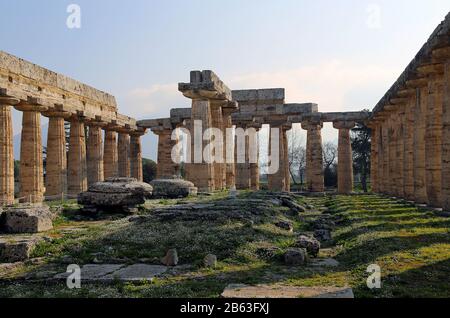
(115, 194)
(16, 249)
(27, 219)
(282, 291)
(296, 256)
(136, 272)
(173, 188)
(311, 244)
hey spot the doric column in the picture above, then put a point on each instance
(254, 168)
(280, 181)
(433, 141)
(136, 155)
(392, 144)
(200, 171)
(420, 113)
(399, 162)
(31, 162)
(77, 165)
(408, 150)
(217, 122)
(230, 171)
(110, 156)
(124, 154)
(94, 153)
(446, 138)
(314, 163)
(243, 175)
(345, 158)
(56, 167)
(166, 167)
(384, 160)
(374, 157)
(6, 151)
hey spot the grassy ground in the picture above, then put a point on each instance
(411, 246)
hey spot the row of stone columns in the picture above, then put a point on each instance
(67, 172)
(411, 140)
(245, 174)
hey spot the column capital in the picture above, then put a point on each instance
(56, 114)
(138, 133)
(28, 107)
(8, 101)
(344, 124)
(309, 125)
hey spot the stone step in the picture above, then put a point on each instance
(284, 291)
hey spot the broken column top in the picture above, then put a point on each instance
(205, 84)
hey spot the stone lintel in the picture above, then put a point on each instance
(337, 116)
(303, 108)
(259, 96)
(205, 85)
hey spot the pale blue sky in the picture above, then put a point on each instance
(324, 51)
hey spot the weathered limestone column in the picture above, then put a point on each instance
(77, 165)
(420, 113)
(345, 158)
(124, 154)
(254, 168)
(399, 178)
(230, 171)
(280, 181)
(217, 122)
(243, 173)
(374, 157)
(94, 148)
(166, 167)
(433, 141)
(314, 163)
(6, 151)
(408, 151)
(446, 139)
(56, 168)
(200, 172)
(136, 155)
(384, 162)
(31, 163)
(392, 154)
(110, 156)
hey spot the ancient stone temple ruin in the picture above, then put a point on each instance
(216, 106)
(36, 92)
(411, 128)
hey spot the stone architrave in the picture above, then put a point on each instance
(110, 156)
(32, 187)
(345, 157)
(6, 151)
(77, 165)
